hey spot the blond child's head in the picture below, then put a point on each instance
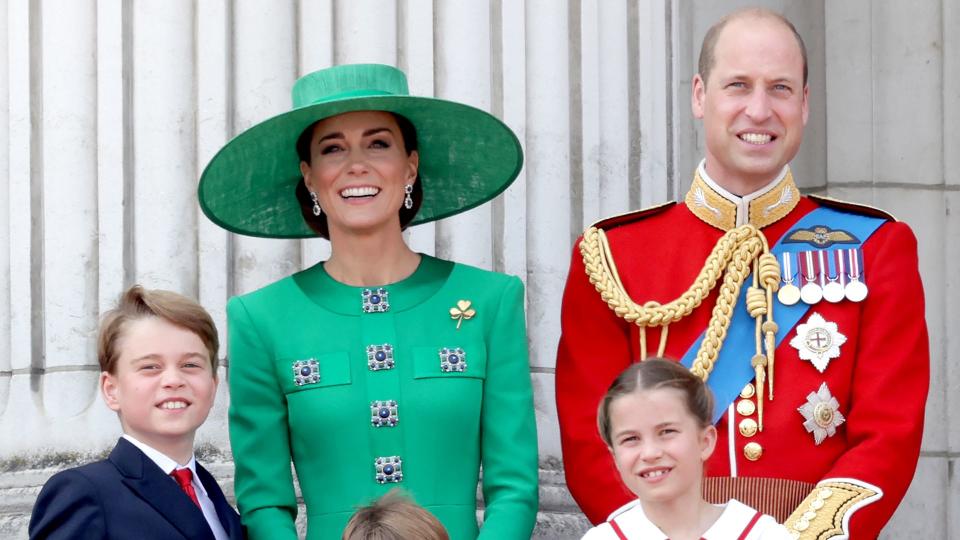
(158, 360)
(394, 517)
(656, 420)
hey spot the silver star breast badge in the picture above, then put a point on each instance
(818, 341)
(821, 414)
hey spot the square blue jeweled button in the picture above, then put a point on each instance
(306, 372)
(453, 359)
(375, 301)
(388, 469)
(384, 413)
(379, 357)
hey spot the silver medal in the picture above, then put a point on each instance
(833, 292)
(856, 289)
(832, 289)
(810, 292)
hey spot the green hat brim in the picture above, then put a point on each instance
(467, 157)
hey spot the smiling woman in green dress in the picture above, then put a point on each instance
(380, 367)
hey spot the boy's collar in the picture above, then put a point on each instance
(165, 462)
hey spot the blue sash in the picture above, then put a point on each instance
(732, 370)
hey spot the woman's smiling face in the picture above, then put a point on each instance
(358, 168)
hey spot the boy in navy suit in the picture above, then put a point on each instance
(158, 356)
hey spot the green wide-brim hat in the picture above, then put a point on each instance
(467, 156)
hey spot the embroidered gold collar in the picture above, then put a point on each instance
(726, 211)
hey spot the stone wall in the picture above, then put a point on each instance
(109, 110)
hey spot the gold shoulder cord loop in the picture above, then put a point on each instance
(738, 253)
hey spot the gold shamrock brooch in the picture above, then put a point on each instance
(462, 312)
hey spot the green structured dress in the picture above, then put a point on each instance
(367, 389)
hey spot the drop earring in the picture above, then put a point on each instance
(408, 200)
(316, 205)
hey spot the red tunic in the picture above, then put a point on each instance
(880, 377)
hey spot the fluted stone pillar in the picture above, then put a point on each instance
(109, 111)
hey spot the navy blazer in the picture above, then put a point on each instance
(126, 496)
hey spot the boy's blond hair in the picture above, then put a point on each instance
(394, 517)
(137, 303)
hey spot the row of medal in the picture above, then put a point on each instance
(812, 276)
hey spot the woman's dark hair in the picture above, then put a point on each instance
(653, 374)
(319, 223)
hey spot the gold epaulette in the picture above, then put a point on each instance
(825, 513)
(612, 222)
(853, 207)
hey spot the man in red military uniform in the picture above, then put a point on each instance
(826, 413)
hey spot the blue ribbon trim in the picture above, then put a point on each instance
(732, 370)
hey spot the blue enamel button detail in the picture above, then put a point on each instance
(375, 300)
(306, 372)
(379, 357)
(384, 413)
(453, 359)
(388, 469)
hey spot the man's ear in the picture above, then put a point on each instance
(109, 390)
(697, 95)
(806, 103)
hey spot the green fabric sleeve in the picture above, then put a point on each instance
(509, 431)
(258, 433)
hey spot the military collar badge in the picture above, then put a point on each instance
(821, 414)
(818, 341)
(725, 211)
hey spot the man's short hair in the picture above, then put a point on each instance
(138, 303)
(394, 517)
(707, 57)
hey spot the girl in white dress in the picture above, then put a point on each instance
(655, 419)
